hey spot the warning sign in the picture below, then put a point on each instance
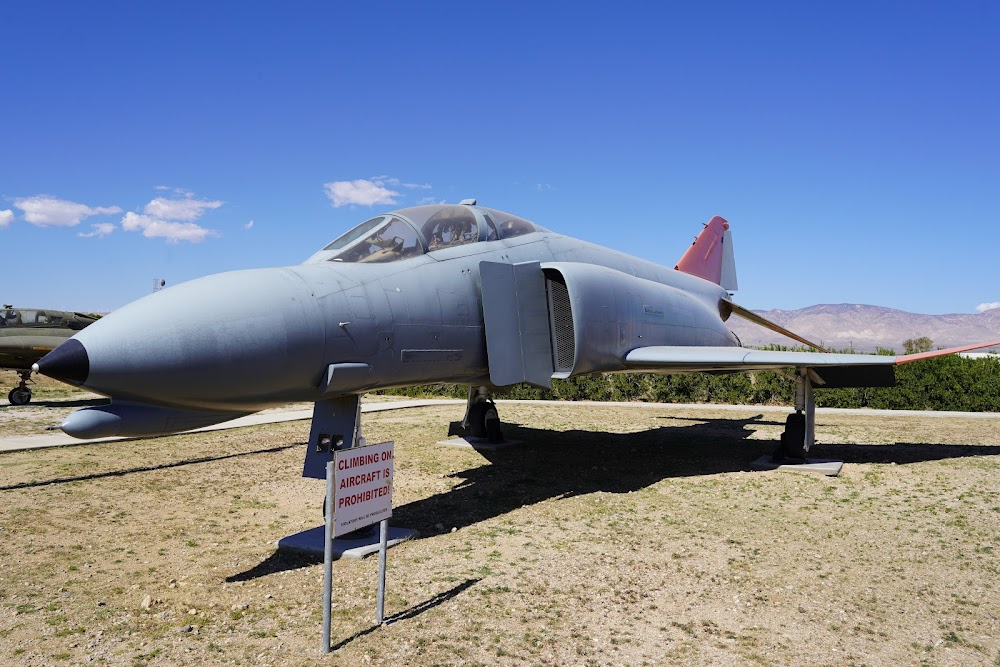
(362, 487)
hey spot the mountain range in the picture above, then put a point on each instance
(864, 328)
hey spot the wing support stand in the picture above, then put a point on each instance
(800, 427)
(800, 434)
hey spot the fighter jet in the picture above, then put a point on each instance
(460, 294)
(27, 335)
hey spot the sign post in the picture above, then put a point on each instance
(328, 557)
(358, 494)
(383, 546)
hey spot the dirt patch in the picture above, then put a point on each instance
(613, 536)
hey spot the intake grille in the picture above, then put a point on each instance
(563, 341)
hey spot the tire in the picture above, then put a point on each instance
(492, 423)
(19, 396)
(793, 437)
(484, 422)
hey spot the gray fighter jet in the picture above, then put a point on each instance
(458, 294)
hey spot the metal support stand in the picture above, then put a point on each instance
(810, 411)
(800, 427)
(336, 424)
(800, 435)
(328, 559)
(805, 402)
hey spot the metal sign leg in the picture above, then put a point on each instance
(382, 548)
(328, 558)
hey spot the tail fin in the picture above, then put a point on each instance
(711, 255)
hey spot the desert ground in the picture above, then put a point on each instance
(612, 536)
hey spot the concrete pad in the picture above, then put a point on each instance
(828, 467)
(478, 443)
(311, 542)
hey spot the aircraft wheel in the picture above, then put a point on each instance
(793, 438)
(19, 396)
(484, 422)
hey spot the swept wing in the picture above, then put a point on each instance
(832, 369)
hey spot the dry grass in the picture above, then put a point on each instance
(613, 536)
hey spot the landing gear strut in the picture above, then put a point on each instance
(481, 418)
(21, 394)
(800, 427)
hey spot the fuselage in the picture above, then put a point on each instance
(28, 334)
(245, 340)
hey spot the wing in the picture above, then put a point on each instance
(832, 370)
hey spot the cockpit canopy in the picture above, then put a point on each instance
(414, 231)
(31, 318)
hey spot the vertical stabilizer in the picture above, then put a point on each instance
(710, 256)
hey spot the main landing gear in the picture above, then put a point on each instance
(800, 427)
(21, 394)
(481, 418)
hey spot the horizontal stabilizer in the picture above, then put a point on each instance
(768, 324)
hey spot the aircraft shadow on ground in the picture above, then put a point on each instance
(553, 464)
(902, 453)
(562, 464)
(556, 464)
(77, 403)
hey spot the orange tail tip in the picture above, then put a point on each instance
(711, 256)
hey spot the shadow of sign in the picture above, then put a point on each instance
(413, 611)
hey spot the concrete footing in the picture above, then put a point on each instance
(352, 546)
(827, 467)
(478, 443)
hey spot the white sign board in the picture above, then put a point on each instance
(362, 487)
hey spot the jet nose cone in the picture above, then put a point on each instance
(69, 362)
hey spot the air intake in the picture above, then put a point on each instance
(561, 318)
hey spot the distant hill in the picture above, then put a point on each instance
(865, 328)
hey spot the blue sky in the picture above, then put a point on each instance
(854, 147)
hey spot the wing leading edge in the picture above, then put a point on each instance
(831, 369)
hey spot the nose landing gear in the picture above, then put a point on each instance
(21, 394)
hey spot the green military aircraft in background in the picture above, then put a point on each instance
(27, 335)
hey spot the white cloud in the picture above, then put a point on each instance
(983, 307)
(186, 210)
(174, 232)
(395, 182)
(172, 219)
(99, 230)
(360, 192)
(46, 211)
(6, 217)
(249, 225)
(177, 191)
